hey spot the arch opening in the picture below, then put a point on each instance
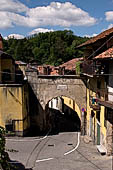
(61, 116)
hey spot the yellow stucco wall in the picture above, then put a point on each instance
(14, 99)
(13, 107)
(0, 69)
(72, 104)
(91, 92)
(103, 128)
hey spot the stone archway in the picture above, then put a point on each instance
(47, 87)
(73, 88)
(62, 116)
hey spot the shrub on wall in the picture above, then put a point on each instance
(78, 69)
(3, 155)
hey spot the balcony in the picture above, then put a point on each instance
(93, 103)
(103, 97)
(92, 68)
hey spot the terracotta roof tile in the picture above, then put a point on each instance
(70, 65)
(98, 37)
(106, 54)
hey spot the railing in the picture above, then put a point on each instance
(101, 96)
(91, 68)
(93, 103)
(87, 67)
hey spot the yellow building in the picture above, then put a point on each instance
(14, 97)
(97, 67)
(96, 127)
(71, 106)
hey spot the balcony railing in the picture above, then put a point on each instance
(89, 67)
(102, 97)
(102, 94)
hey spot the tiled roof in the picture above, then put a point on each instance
(70, 65)
(98, 37)
(106, 54)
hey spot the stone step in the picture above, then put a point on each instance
(101, 149)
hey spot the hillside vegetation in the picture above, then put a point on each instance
(52, 48)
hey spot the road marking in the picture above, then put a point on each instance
(67, 153)
(42, 160)
(28, 140)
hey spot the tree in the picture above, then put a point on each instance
(52, 48)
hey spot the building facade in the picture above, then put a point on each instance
(14, 97)
(97, 67)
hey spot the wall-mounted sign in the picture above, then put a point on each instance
(62, 87)
(83, 110)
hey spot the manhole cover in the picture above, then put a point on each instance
(70, 144)
(51, 145)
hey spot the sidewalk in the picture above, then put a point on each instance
(89, 151)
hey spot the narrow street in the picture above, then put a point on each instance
(63, 151)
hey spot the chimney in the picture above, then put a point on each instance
(1, 43)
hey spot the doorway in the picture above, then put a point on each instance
(98, 127)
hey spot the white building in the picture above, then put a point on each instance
(56, 103)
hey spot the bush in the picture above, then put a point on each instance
(78, 69)
(4, 158)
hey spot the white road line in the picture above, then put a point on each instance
(28, 140)
(67, 153)
(42, 160)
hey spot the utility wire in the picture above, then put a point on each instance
(99, 48)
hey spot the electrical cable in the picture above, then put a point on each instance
(99, 48)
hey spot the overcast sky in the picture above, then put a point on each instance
(26, 17)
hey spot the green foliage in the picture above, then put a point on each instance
(2, 140)
(78, 67)
(3, 155)
(52, 48)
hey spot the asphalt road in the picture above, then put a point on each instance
(56, 152)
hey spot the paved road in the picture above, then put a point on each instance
(48, 153)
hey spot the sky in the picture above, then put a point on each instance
(23, 18)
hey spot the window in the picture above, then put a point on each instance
(6, 76)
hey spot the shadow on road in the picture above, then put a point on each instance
(66, 122)
(15, 165)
